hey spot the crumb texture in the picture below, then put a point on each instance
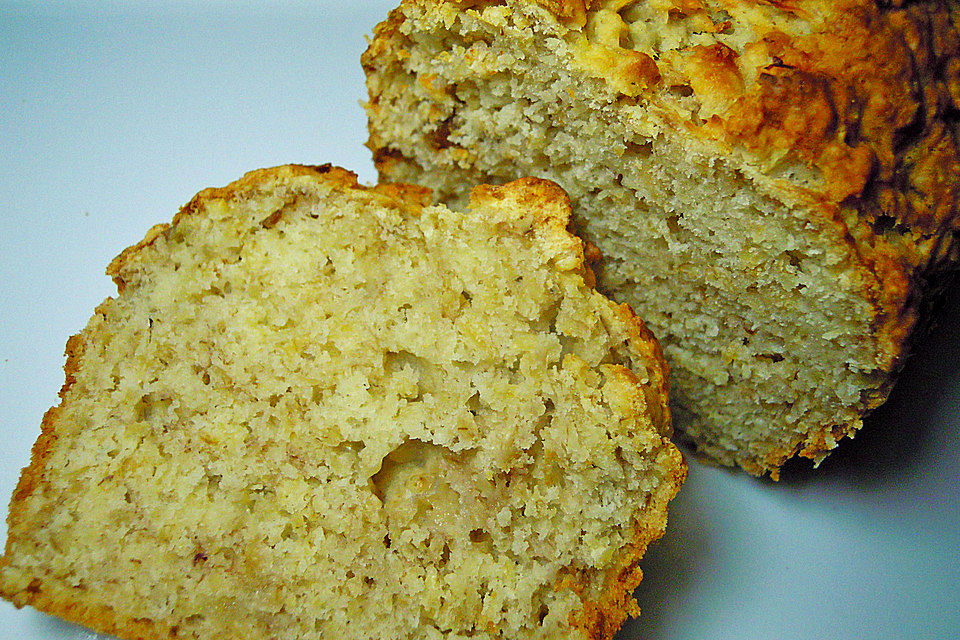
(321, 410)
(773, 201)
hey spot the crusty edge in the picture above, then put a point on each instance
(554, 210)
(251, 181)
(46, 596)
(602, 618)
(55, 599)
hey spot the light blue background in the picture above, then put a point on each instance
(112, 115)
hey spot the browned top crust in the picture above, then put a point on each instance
(867, 96)
(252, 181)
(863, 92)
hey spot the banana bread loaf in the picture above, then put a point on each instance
(318, 410)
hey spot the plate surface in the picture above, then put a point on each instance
(113, 114)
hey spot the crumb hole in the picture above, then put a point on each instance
(772, 357)
(640, 150)
(440, 138)
(271, 220)
(795, 258)
(473, 403)
(673, 222)
(478, 536)
(884, 224)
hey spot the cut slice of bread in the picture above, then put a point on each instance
(319, 410)
(772, 185)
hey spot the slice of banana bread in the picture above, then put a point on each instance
(318, 410)
(773, 185)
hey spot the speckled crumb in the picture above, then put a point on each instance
(321, 410)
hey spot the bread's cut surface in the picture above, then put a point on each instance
(773, 185)
(316, 410)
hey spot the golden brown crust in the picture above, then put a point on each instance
(552, 207)
(528, 191)
(866, 99)
(31, 475)
(648, 347)
(864, 91)
(602, 619)
(60, 602)
(42, 595)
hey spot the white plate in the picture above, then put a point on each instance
(112, 115)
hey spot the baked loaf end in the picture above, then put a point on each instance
(773, 185)
(316, 409)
